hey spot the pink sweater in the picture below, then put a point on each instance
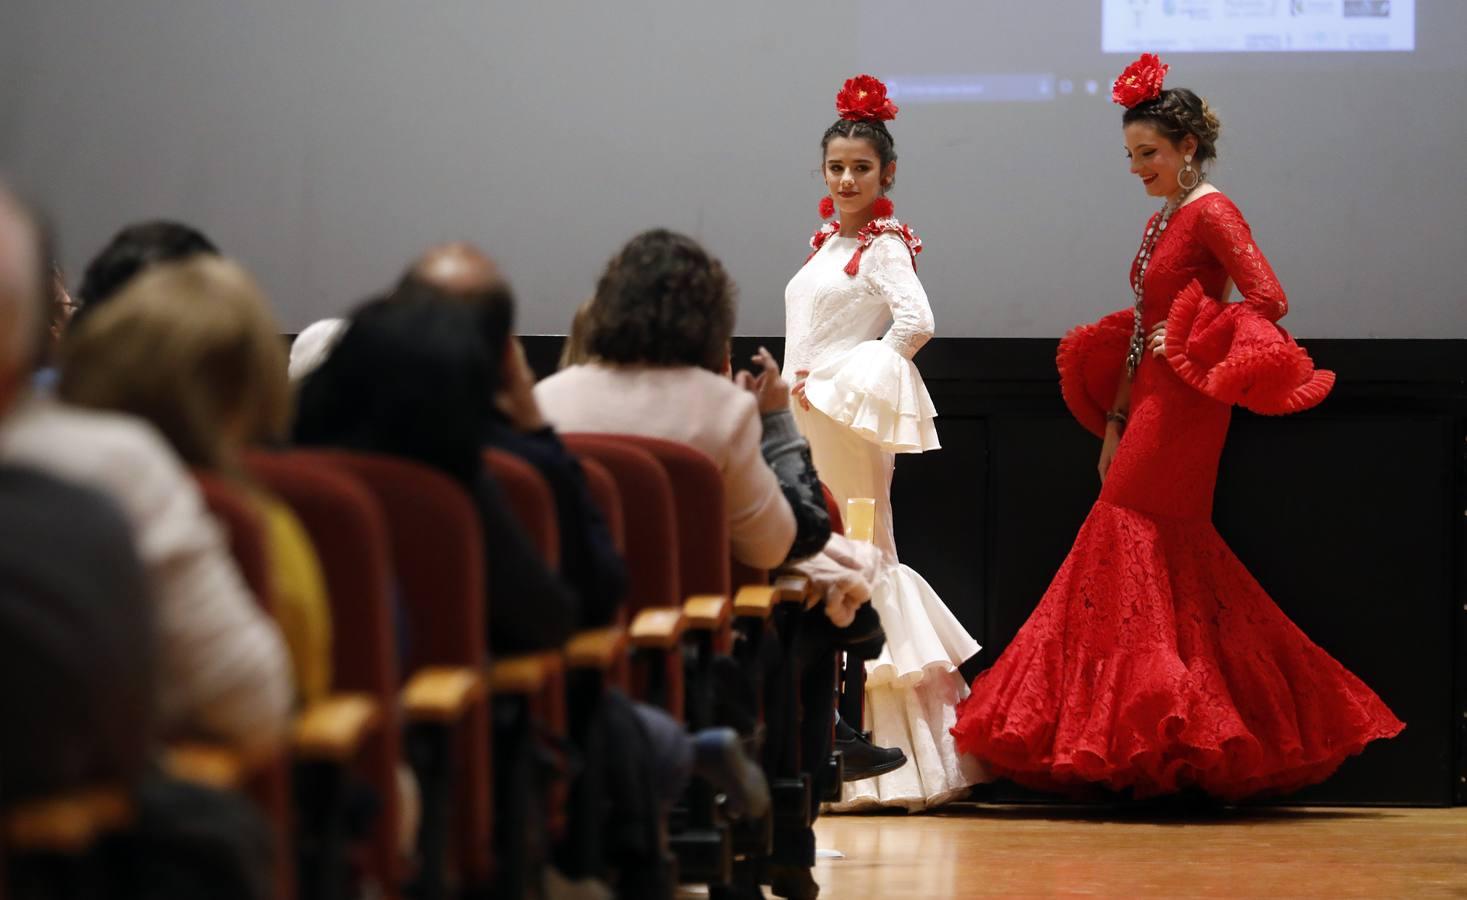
(691, 406)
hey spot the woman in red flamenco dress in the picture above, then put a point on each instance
(1155, 663)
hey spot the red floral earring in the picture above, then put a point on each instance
(827, 207)
(882, 208)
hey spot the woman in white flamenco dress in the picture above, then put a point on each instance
(856, 336)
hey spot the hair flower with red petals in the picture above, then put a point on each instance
(1141, 81)
(863, 99)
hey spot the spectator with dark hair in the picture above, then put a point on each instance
(588, 558)
(134, 249)
(659, 330)
(409, 378)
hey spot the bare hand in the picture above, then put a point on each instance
(1108, 449)
(798, 391)
(1156, 339)
(768, 387)
(516, 395)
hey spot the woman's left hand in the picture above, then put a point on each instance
(1156, 339)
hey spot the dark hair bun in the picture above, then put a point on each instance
(1178, 112)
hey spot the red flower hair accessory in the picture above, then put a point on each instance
(1141, 81)
(863, 99)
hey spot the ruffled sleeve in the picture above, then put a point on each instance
(874, 388)
(877, 393)
(1091, 359)
(1234, 353)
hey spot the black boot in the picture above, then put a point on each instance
(864, 759)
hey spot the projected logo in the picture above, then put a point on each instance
(1257, 26)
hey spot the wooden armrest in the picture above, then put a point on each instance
(209, 765)
(334, 729)
(790, 587)
(707, 612)
(526, 674)
(658, 629)
(755, 601)
(600, 649)
(69, 822)
(441, 693)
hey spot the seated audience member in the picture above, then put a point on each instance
(77, 684)
(409, 378)
(222, 669)
(131, 251)
(311, 347)
(659, 331)
(192, 348)
(589, 562)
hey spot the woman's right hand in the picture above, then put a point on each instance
(1108, 449)
(798, 391)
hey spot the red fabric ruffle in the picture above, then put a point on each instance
(1154, 663)
(1234, 355)
(1091, 359)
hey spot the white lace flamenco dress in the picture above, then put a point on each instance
(857, 334)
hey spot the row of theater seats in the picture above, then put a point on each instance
(394, 535)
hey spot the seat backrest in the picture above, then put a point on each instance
(530, 500)
(702, 516)
(604, 494)
(349, 531)
(650, 517)
(249, 543)
(438, 559)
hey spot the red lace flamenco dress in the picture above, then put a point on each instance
(1155, 662)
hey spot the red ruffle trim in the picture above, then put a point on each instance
(1224, 350)
(1234, 355)
(1091, 359)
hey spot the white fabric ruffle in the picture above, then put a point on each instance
(878, 394)
(922, 634)
(911, 691)
(916, 720)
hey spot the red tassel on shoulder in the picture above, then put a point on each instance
(854, 266)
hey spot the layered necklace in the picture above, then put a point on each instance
(1138, 279)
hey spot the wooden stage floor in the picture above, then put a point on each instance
(1024, 851)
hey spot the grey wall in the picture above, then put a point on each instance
(325, 141)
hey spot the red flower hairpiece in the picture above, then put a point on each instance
(1141, 81)
(863, 99)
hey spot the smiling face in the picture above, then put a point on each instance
(854, 175)
(1155, 159)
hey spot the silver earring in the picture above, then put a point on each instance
(1196, 176)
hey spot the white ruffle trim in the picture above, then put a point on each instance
(877, 393)
(923, 637)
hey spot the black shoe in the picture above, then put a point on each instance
(793, 882)
(864, 759)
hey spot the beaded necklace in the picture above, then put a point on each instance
(1138, 280)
